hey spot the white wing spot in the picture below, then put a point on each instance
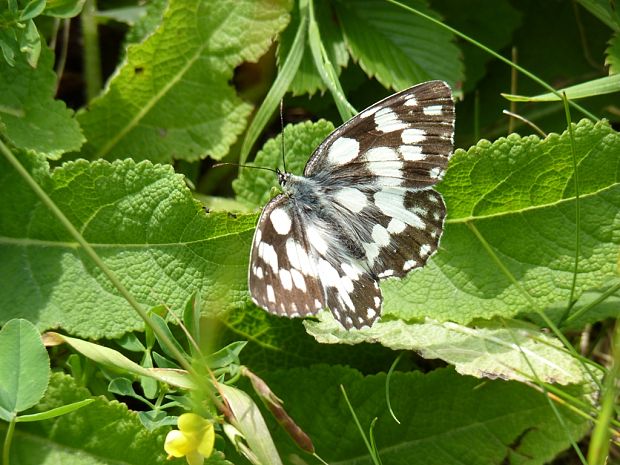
(281, 221)
(396, 226)
(387, 121)
(425, 249)
(271, 296)
(285, 279)
(352, 199)
(408, 265)
(384, 161)
(380, 235)
(349, 321)
(317, 304)
(371, 313)
(316, 239)
(294, 312)
(436, 173)
(411, 152)
(298, 257)
(258, 236)
(258, 272)
(353, 271)
(298, 280)
(377, 301)
(269, 256)
(372, 251)
(413, 136)
(369, 112)
(386, 273)
(411, 101)
(391, 203)
(343, 150)
(433, 110)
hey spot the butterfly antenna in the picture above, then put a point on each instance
(282, 129)
(217, 165)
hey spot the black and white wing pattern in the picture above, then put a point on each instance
(364, 210)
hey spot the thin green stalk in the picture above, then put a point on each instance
(529, 299)
(8, 439)
(551, 403)
(325, 68)
(569, 123)
(278, 88)
(92, 54)
(609, 292)
(369, 446)
(598, 450)
(49, 203)
(494, 54)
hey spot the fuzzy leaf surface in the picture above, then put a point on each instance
(398, 47)
(142, 221)
(171, 99)
(30, 117)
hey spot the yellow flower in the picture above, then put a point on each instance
(193, 440)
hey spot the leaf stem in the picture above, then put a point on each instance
(92, 54)
(7, 441)
(571, 298)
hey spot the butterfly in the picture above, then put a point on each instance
(364, 210)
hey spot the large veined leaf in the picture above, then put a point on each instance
(396, 46)
(171, 99)
(141, 219)
(30, 117)
(512, 351)
(510, 239)
(446, 419)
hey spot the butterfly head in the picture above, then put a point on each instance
(283, 177)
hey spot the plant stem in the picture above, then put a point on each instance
(92, 55)
(7, 441)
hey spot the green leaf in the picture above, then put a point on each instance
(511, 351)
(397, 47)
(104, 432)
(605, 11)
(276, 92)
(600, 86)
(493, 26)
(307, 80)
(446, 419)
(253, 186)
(250, 423)
(172, 99)
(8, 44)
(144, 223)
(32, 10)
(612, 53)
(114, 359)
(143, 19)
(24, 365)
(38, 122)
(55, 412)
(511, 203)
(30, 43)
(63, 8)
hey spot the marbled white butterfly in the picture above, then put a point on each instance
(364, 210)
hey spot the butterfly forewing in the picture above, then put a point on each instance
(365, 210)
